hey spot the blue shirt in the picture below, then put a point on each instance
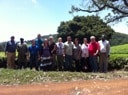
(11, 46)
(33, 51)
(39, 43)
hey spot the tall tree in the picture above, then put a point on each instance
(81, 26)
(117, 10)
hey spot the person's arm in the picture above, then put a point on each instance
(54, 49)
(64, 50)
(98, 48)
(6, 48)
(108, 49)
(80, 51)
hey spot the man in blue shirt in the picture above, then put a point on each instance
(10, 52)
(34, 55)
(39, 43)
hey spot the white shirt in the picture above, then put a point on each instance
(104, 46)
(85, 52)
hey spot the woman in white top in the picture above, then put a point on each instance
(85, 56)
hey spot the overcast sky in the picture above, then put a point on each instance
(27, 18)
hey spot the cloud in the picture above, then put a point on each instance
(34, 1)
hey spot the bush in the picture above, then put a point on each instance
(118, 61)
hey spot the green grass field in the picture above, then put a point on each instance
(27, 76)
(121, 49)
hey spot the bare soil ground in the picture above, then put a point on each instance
(87, 87)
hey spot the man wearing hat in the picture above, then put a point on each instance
(22, 53)
(10, 52)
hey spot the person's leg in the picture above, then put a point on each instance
(66, 63)
(91, 63)
(70, 63)
(60, 62)
(77, 65)
(13, 61)
(9, 60)
(36, 64)
(105, 63)
(101, 62)
(95, 63)
(54, 66)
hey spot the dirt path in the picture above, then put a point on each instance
(88, 87)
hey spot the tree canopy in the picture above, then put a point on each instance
(81, 26)
(117, 9)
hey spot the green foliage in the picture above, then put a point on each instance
(2, 54)
(118, 61)
(118, 39)
(119, 57)
(81, 27)
(120, 49)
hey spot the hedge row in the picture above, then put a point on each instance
(118, 61)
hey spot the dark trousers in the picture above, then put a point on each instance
(68, 63)
(60, 62)
(34, 63)
(22, 65)
(93, 63)
(85, 65)
(77, 65)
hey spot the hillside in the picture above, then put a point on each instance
(120, 49)
(119, 39)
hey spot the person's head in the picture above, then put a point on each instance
(33, 42)
(92, 38)
(85, 40)
(39, 36)
(59, 39)
(103, 37)
(69, 38)
(21, 40)
(76, 41)
(45, 42)
(12, 38)
(51, 38)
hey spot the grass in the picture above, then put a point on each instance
(15, 77)
(120, 49)
(2, 54)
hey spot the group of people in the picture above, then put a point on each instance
(46, 54)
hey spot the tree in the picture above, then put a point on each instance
(81, 27)
(117, 9)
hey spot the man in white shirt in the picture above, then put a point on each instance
(104, 53)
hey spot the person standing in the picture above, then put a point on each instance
(10, 52)
(22, 54)
(60, 52)
(85, 56)
(104, 53)
(52, 48)
(93, 53)
(34, 55)
(77, 54)
(46, 62)
(39, 43)
(68, 53)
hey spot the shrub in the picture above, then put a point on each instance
(118, 61)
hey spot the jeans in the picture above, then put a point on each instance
(68, 63)
(93, 63)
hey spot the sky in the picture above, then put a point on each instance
(27, 18)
